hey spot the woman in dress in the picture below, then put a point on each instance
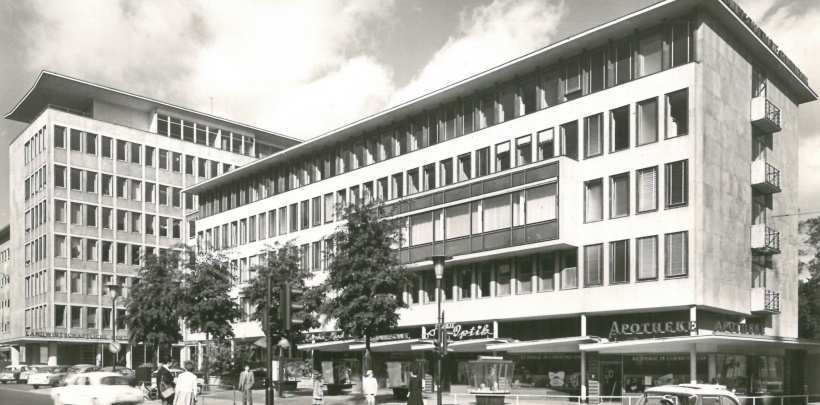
(414, 397)
(186, 386)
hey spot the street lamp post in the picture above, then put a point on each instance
(438, 266)
(114, 290)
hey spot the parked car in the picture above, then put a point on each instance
(99, 388)
(48, 375)
(124, 371)
(30, 370)
(11, 373)
(73, 371)
(688, 394)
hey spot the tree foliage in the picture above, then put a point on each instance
(282, 262)
(205, 303)
(808, 310)
(153, 308)
(365, 275)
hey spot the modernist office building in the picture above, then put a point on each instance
(614, 204)
(96, 181)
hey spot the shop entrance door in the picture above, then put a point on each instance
(611, 376)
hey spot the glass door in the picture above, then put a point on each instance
(611, 376)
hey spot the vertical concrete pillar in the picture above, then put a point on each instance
(693, 365)
(712, 367)
(52, 354)
(693, 320)
(199, 361)
(15, 355)
(495, 329)
(583, 324)
(583, 376)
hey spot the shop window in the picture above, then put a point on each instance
(646, 189)
(569, 271)
(446, 172)
(546, 272)
(546, 144)
(524, 275)
(503, 276)
(593, 265)
(429, 177)
(647, 121)
(677, 179)
(647, 258)
(465, 282)
(619, 195)
(502, 156)
(593, 136)
(676, 254)
(619, 262)
(677, 113)
(523, 150)
(485, 278)
(649, 58)
(482, 162)
(619, 129)
(569, 140)
(597, 71)
(593, 200)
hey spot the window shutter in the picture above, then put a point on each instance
(647, 189)
(592, 265)
(676, 247)
(676, 183)
(593, 135)
(647, 258)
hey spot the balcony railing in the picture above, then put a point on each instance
(765, 301)
(765, 240)
(765, 115)
(765, 177)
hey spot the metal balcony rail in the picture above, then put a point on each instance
(772, 174)
(67, 110)
(772, 112)
(772, 239)
(771, 301)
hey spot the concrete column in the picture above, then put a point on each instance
(712, 367)
(199, 360)
(52, 353)
(583, 326)
(583, 376)
(15, 355)
(495, 329)
(693, 365)
(693, 320)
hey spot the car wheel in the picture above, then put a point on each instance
(4, 381)
(36, 386)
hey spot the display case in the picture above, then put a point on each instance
(490, 375)
(398, 375)
(337, 375)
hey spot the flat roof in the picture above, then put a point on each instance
(63, 91)
(726, 10)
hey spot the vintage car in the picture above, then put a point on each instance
(31, 370)
(73, 371)
(124, 371)
(688, 394)
(99, 388)
(12, 373)
(47, 375)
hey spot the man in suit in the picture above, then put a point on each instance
(245, 384)
(165, 379)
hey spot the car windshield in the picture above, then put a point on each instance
(114, 380)
(9, 369)
(52, 370)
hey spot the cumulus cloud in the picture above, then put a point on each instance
(487, 36)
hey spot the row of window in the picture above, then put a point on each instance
(84, 317)
(36, 317)
(35, 183)
(676, 186)
(4, 278)
(122, 187)
(35, 250)
(35, 145)
(93, 250)
(4, 327)
(36, 216)
(136, 153)
(89, 283)
(115, 219)
(214, 137)
(612, 64)
(36, 283)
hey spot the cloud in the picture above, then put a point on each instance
(487, 36)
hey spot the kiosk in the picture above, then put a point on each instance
(489, 379)
(398, 375)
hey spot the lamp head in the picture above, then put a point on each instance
(113, 290)
(438, 264)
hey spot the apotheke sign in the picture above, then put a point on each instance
(459, 332)
(651, 328)
(739, 328)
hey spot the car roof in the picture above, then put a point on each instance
(690, 389)
(101, 374)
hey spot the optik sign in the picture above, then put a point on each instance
(459, 332)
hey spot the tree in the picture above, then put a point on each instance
(365, 276)
(808, 291)
(153, 310)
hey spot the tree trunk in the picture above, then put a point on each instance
(367, 354)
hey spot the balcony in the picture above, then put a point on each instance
(765, 115)
(765, 177)
(765, 301)
(765, 240)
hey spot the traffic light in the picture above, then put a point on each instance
(445, 341)
(437, 346)
(289, 304)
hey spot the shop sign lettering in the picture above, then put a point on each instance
(459, 332)
(741, 328)
(61, 335)
(651, 328)
(394, 336)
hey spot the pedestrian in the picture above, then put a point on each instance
(185, 391)
(318, 389)
(165, 383)
(369, 387)
(414, 397)
(246, 381)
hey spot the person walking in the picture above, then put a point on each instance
(246, 381)
(369, 387)
(165, 383)
(185, 391)
(414, 398)
(318, 389)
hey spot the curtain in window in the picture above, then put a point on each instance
(524, 276)
(647, 266)
(647, 189)
(518, 208)
(541, 203)
(503, 276)
(457, 221)
(676, 247)
(593, 136)
(647, 122)
(569, 278)
(594, 201)
(593, 265)
(421, 229)
(497, 213)
(620, 196)
(546, 272)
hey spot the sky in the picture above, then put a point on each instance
(303, 68)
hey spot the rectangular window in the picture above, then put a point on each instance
(163, 159)
(593, 136)
(507, 100)
(91, 182)
(485, 279)
(677, 184)
(646, 187)
(76, 214)
(91, 284)
(502, 156)
(546, 272)
(59, 246)
(121, 220)
(524, 275)
(465, 282)
(446, 172)
(189, 165)
(76, 141)
(107, 218)
(593, 200)
(482, 162)
(421, 229)
(317, 211)
(176, 162)
(619, 129)
(136, 190)
(91, 318)
(76, 282)
(329, 207)
(122, 149)
(569, 271)
(413, 181)
(76, 179)
(382, 190)
(122, 187)
(293, 216)
(497, 213)
(623, 62)
(106, 252)
(457, 221)
(468, 118)
(316, 256)
(464, 167)
(679, 33)
(569, 140)
(486, 110)
(503, 276)
(677, 113)
(523, 150)
(541, 203)
(649, 58)
(107, 185)
(59, 137)
(354, 195)
(59, 281)
(59, 211)
(619, 195)
(647, 121)
(136, 157)
(304, 214)
(676, 254)
(59, 176)
(91, 143)
(546, 144)
(619, 262)
(135, 258)
(106, 147)
(593, 265)
(136, 219)
(429, 177)
(572, 77)
(91, 215)
(529, 97)
(647, 253)
(76, 316)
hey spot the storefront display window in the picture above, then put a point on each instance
(751, 374)
(641, 372)
(560, 372)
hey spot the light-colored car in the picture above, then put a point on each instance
(76, 370)
(99, 388)
(29, 371)
(124, 371)
(47, 375)
(688, 394)
(11, 373)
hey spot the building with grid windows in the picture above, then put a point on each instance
(96, 182)
(613, 204)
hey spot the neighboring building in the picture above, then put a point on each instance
(615, 204)
(96, 181)
(5, 288)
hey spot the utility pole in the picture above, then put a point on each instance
(269, 352)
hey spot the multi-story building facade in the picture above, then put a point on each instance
(97, 181)
(614, 205)
(5, 288)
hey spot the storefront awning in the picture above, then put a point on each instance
(332, 346)
(559, 345)
(701, 344)
(462, 346)
(393, 346)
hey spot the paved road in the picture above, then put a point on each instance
(22, 394)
